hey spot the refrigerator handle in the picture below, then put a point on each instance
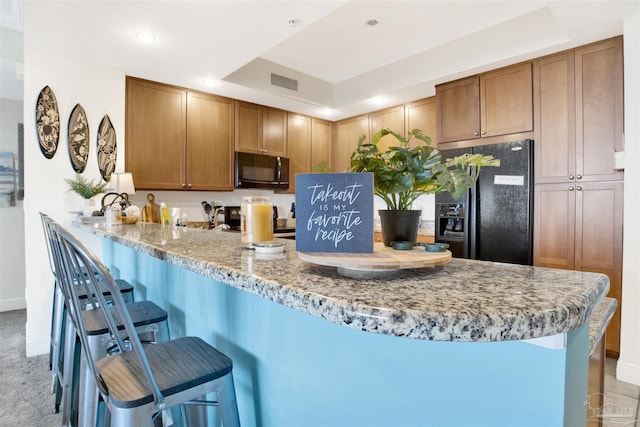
(472, 215)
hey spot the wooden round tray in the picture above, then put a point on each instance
(383, 259)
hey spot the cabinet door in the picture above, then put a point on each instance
(248, 127)
(554, 117)
(155, 134)
(421, 115)
(599, 106)
(392, 118)
(209, 142)
(320, 142)
(274, 132)
(299, 142)
(599, 208)
(348, 133)
(554, 225)
(506, 101)
(458, 110)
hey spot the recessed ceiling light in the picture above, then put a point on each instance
(293, 22)
(378, 100)
(145, 37)
(372, 22)
(209, 82)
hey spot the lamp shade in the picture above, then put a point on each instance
(123, 183)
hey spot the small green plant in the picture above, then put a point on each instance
(403, 173)
(85, 188)
(322, 167)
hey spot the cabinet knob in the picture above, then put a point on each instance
(571, 177)
(189, 186)
(476, 133)
(579, 176)
(571, 188)
(579, 188)
(483, 132)
(184, 185)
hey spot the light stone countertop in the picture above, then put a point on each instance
(599, 320)
(465, 300)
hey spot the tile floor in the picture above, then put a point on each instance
(621, 400)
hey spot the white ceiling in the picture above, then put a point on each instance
(340, 62)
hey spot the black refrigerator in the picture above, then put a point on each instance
(494, 220)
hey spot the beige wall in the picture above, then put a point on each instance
(100, 90)
(629, 361)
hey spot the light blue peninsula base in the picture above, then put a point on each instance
(295, 369)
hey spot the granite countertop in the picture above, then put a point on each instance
(465, 300)
(599, 320)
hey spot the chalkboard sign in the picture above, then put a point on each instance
(334, 212)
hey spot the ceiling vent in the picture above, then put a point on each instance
(284, 82)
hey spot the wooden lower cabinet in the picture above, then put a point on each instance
(578, 226)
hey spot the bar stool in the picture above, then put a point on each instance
(79, 393)
(57, 334)
(137, 383)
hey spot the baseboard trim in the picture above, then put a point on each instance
(13, 304)
(37, 348)
(628, 372)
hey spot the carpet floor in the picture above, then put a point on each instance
(25, 382)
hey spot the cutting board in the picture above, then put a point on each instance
(382, 259)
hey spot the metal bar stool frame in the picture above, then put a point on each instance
(136, 383)
(79, 393)
(58, 332)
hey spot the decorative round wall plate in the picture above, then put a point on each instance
(78, 136)
(106, 148)
(47, 122)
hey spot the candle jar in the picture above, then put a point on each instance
(256, 219)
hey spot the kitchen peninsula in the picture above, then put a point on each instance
(468, 343)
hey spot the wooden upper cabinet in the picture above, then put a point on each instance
(599, 109)
(260, 130)
(578, 114)
(210, 127)
(491, 104)
(348, 133)
(321, 131)
(178, 139)
(554, 117)
(506, 101)
(421, 115)
(299, 142)
(248, 127)
(274, 133)
(155, 134)
(458, 110)
(392, 118)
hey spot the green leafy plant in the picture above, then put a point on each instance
(403, 173)
(322, 167)
(85, 188)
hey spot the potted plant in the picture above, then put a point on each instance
(403, 173)
(85, 188)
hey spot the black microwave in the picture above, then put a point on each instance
(261, 171)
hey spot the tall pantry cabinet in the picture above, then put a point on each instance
(578, 202)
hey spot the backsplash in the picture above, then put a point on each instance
(189, 202)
